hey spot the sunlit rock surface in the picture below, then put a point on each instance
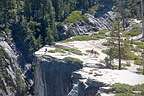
(86, 80)
(92, 24)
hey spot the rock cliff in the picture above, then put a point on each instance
(12, 82)
(69, 69)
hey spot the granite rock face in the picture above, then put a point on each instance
(56, 76)
(12, 81)
(91, 25)
(53, 76)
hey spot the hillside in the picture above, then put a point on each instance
(71, 48)
(97, 75)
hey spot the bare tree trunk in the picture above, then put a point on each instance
(119, 46)
(121, 9)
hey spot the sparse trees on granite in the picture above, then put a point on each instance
(115, 43)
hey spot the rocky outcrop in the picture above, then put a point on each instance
(56, 76)
(92, 24)
(13, 81)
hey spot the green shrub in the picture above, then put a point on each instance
(127, 90)
(96, 36)
(140, 70)
(131, 56)
(139, 88)
(113, 52)
(57, 50)
(75, 16)
(124, 94)
(81, 38)
(73, 60)
(125, 54)
(134, 31)
(138, 62)
(103, 32)
(122, 88)
(63, 50)
(73, 50)
(139, 44)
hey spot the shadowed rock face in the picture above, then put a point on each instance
(53, 77)
(89, 89)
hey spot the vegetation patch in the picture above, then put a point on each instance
(121, 88)
(139, 44)
(139, 88)
(59, 50)
(140, 70)
(125, 54)
(63, 50)
(138, 61)
(124, 94)
(134, 31)
(81, 38)
(73, 60)
(127, 90)
(73, 50)
(76, 16)
(103, 32)
(99, 35)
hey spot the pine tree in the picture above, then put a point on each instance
(27, 9)
(120, 18)
(119, 45)
(48, 22)
(115, 43)
(111, 43)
